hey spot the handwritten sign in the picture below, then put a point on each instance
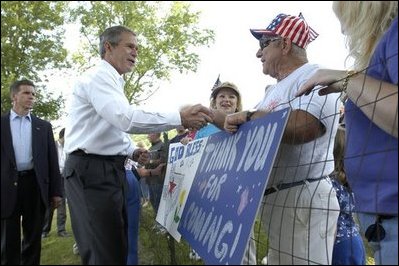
(182, 165)
(228, 186)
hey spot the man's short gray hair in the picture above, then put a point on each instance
(113, 36)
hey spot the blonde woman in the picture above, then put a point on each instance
(226, 99)
(371, 117)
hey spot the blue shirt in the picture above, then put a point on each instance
(21, 132)
(346, 226)
(371, 160)
(206, 131)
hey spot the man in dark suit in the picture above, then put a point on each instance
(30, 177)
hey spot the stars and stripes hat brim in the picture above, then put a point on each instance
(258, 33)
(293, 27)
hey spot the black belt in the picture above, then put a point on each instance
(135, 172)
(116, 158)
(293, 184)
(30, 172)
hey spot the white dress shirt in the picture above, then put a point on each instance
(100, 114)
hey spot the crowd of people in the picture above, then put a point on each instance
(334, 179)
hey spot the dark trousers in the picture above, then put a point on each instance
(96, 190)
(31, 208)
(155, 195)
(61, 217)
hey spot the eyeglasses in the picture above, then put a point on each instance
(263, 43)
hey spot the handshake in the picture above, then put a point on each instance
(195, 117)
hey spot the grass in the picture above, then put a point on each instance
(160, 249)
(58, 250)
(154, 249)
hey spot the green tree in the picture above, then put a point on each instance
(144, 139)
(167, 32)
(32, 41)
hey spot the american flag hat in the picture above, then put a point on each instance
(293, 27)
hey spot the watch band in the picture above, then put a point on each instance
(250, 113)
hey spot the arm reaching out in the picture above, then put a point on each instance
(377, 99)
(195, 116)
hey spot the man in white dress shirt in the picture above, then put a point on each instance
(97, 141)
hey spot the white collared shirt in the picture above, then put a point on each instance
(100, 114)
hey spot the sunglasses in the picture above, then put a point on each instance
(263, 42)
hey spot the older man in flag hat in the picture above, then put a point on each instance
(300, 205)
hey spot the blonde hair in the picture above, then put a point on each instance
(226, 85)
(339, 155)
(363, 23)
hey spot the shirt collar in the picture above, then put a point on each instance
(14, 115)
(113, 72)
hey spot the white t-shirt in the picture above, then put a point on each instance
(315, 158)
(61, 156)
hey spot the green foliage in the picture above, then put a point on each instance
(32, 36)
(166, 33)
(48, 106)
(143, 138)
(31, 42)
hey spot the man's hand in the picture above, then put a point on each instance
(233, 121)
(55, 202)
(185, 140)
(141, 155)
(218, 118)
(157, 171)
(195, 117)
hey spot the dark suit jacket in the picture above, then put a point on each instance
(45, 161)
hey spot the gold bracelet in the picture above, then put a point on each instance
(349, 74)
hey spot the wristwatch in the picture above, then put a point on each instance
(250, 113)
